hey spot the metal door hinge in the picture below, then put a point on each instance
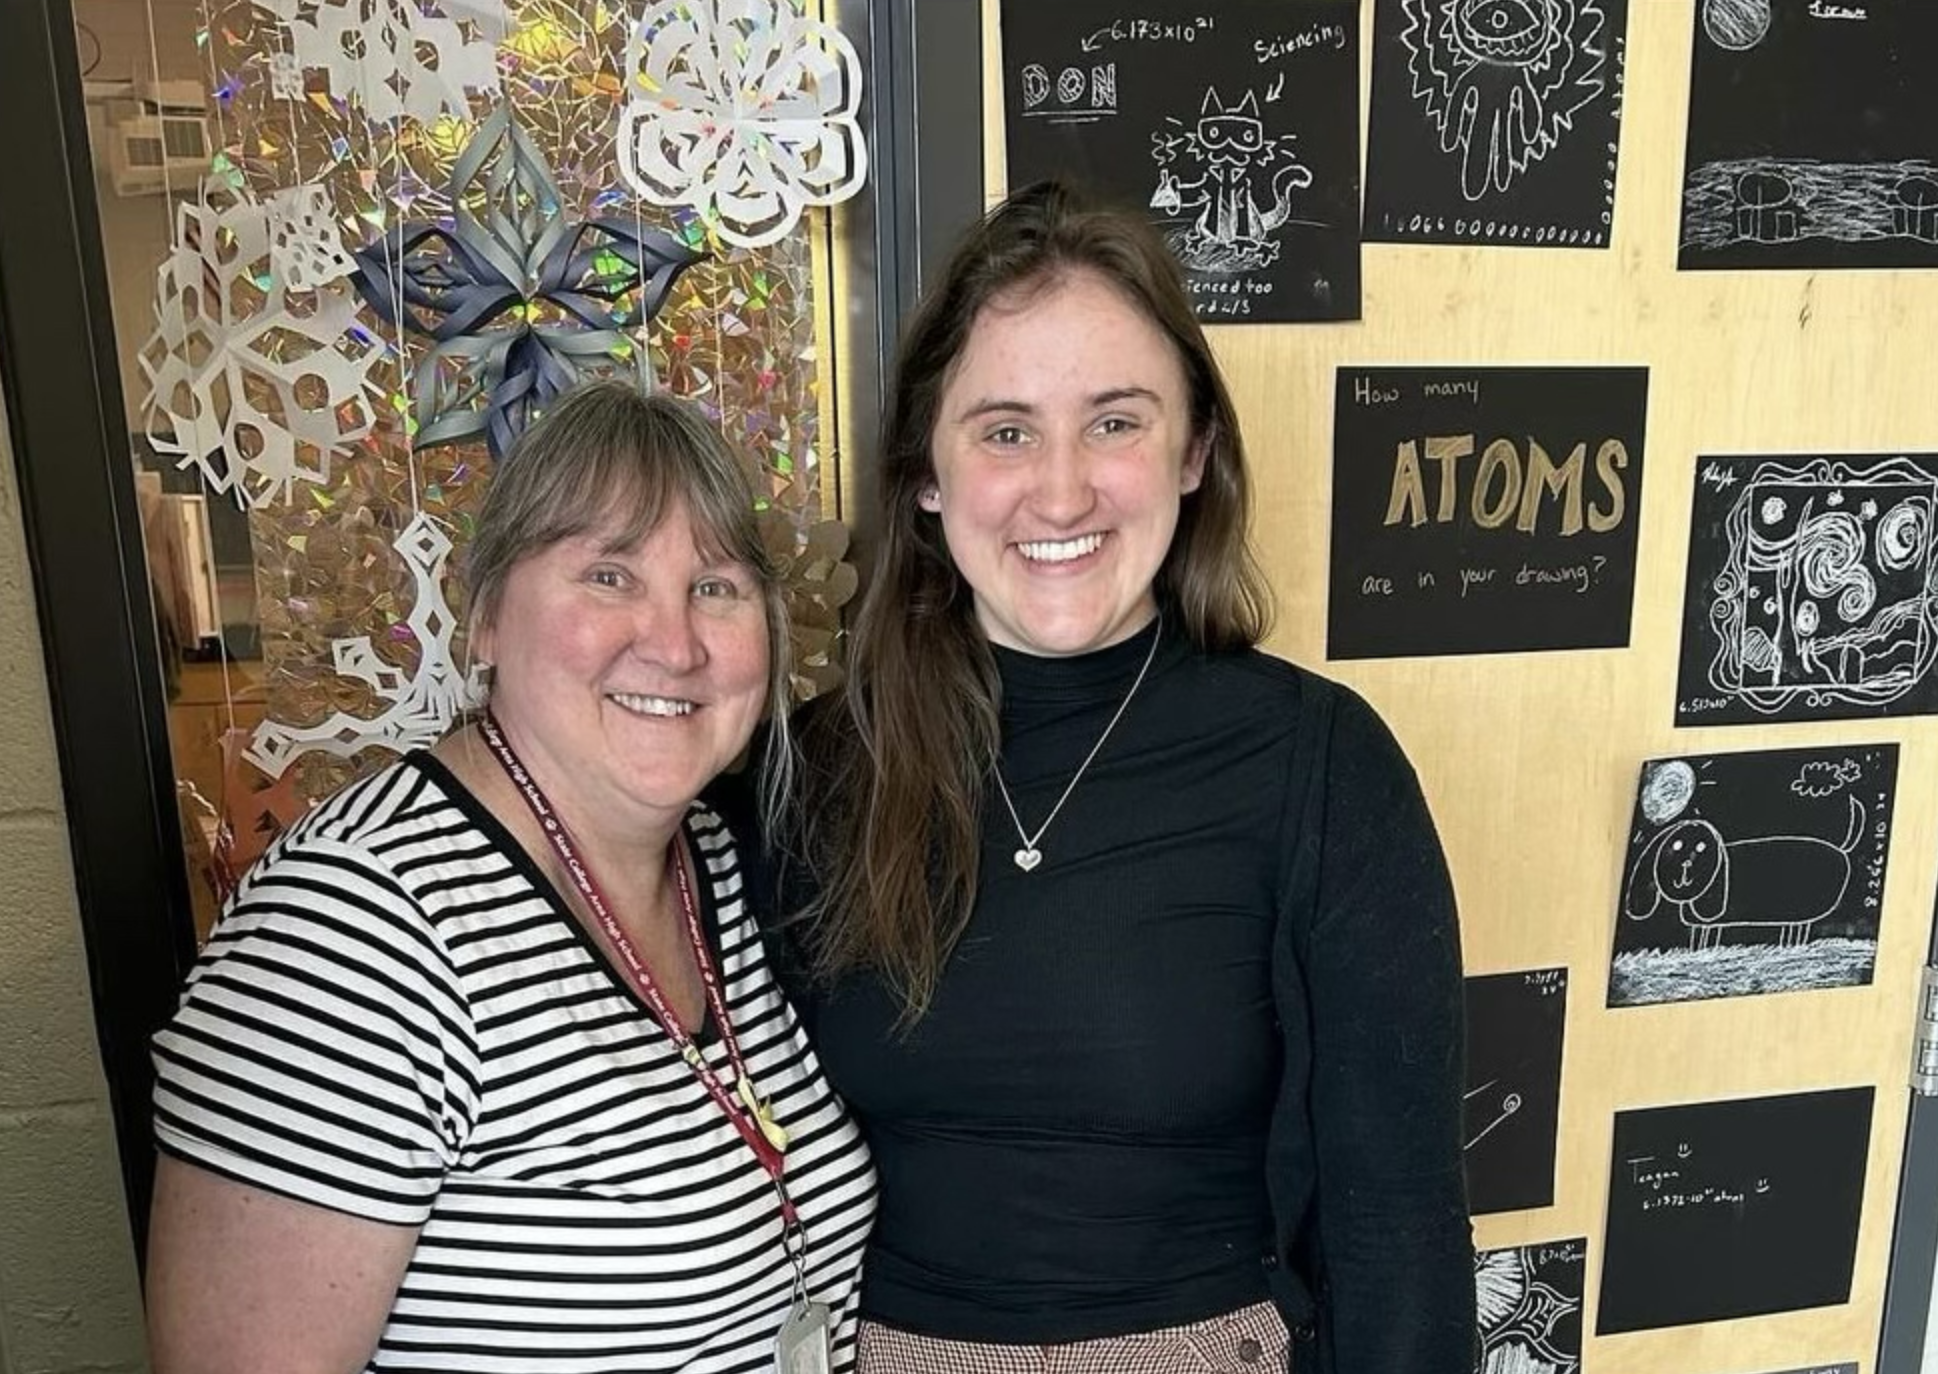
(1924, 1042)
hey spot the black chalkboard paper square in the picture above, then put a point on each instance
(1719, 1210)
(1495, 122)
(1233, 123)
(1528, 1298)
(1484, 510)
(1754, 872)
(1513, 1096)
(1812, 589)
(1813, 140)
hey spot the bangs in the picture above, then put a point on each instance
(623, 490)
(611, 464)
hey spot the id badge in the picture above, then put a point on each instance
(802, 1345)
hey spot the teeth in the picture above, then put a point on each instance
(653, 706)
(1061, 550)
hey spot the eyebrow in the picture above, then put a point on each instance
(996, 405)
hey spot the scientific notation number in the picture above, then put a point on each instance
(1494, 230)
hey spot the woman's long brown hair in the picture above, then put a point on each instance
(896, 767)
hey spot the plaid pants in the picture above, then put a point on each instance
(1251, 1340)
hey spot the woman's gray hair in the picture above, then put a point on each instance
(605, 450)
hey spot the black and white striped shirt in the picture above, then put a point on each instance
(396, 1018)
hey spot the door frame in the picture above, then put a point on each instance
(69, 433)
(66, 415)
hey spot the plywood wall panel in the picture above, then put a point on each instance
(1530, 760)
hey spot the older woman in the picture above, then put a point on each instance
(1137, 955)
(484, 1068)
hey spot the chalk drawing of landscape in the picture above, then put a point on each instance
(1530, 1308)
(1237, 178)
(1732, 914)
(1502, 81)
(1828, 591)
(1771, 200)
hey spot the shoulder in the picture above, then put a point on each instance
(404, 806)
(1312, 705)
(351, 876)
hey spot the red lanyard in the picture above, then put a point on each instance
(750, 1117)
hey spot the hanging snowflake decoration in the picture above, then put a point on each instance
(305, 249)
(375, 52)
(255, 386)
(421, 705)
(521, 301)
(744, 110)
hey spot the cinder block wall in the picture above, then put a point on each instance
(69, 1300)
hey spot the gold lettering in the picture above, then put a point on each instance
(1610, 459)
(1563, 481)
(1409, 496)
(1447, 450)
(1500, 457)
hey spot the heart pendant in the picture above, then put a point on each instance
(1026, 859)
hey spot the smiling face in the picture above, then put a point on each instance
(1689, 860)
(628, 676)
(1061, 453)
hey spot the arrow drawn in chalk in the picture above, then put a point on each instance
(1094, 42)
(1276, 89)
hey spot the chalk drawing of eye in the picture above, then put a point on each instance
(1502, 30)
(1773, 509)
(1807, 618)
(1770, 606)
(1502, 80)
(1667, 791)
(1736, 24)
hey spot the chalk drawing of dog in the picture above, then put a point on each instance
(1787, 881)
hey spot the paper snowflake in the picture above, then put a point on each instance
(255, 387)
(521, 300)
(375, 51)
(305, 249)
(744, 110)
(421, 705)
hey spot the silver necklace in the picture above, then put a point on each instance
(1029, 856)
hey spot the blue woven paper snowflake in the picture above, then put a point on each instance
(480, 286)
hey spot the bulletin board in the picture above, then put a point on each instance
(1575, 739)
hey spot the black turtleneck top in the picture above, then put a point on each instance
(1215, 1031)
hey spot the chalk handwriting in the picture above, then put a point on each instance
(1267, 50)
(1670, 1187)
(1717, 477)
(1579, 577)
(1149, 31)
(1469, 388)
